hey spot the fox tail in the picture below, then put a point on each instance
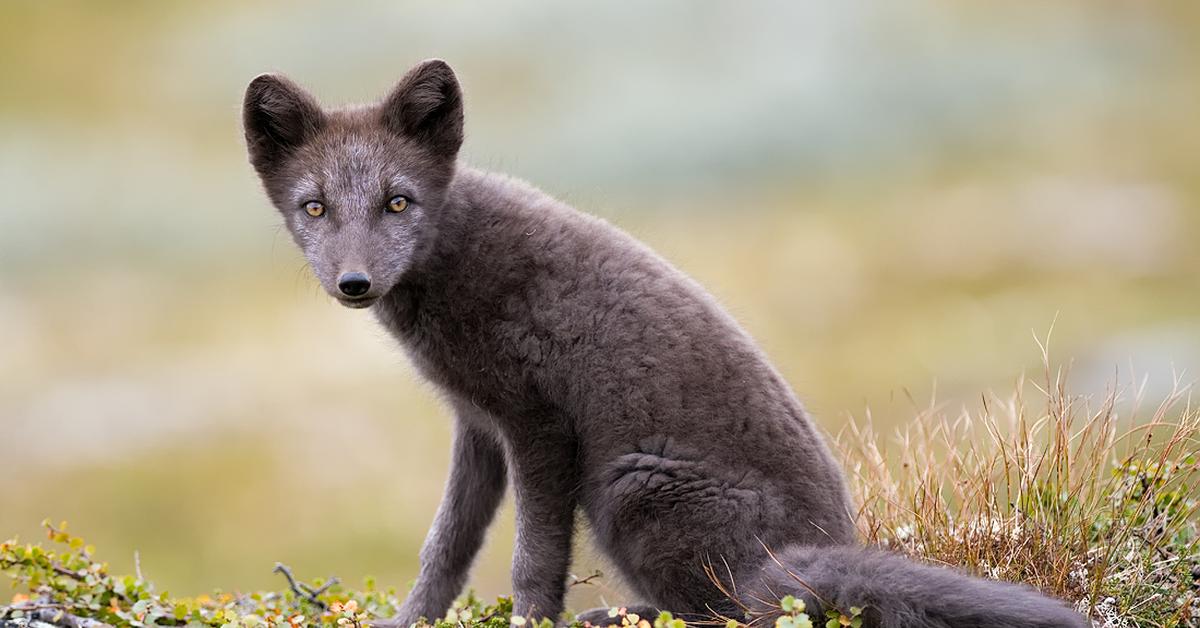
(894, 592)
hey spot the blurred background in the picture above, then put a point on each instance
(892, 197)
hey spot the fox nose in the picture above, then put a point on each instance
(354, 284)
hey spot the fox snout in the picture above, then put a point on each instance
(354, 289)
(354, 284)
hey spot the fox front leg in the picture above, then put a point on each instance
(545, 482)
(473, 493)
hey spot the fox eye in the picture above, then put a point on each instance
(397, 204)
(314, 208)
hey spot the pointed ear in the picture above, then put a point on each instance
(426, 105)
(278, 117)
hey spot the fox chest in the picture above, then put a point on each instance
(491, 358)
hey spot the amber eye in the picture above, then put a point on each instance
(314, 209)
(397, 204)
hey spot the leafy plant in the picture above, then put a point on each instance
(1075, 496)
(65, 584)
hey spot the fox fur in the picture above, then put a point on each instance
(587, 373)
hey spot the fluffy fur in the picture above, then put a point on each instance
(587, 372)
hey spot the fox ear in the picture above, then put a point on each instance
(426, 105)
(278, 117)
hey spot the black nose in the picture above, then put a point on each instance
(354, 284)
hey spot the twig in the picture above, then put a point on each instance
(325, 587)
(304, 591)
(47, 613)
(67, 620)
(588, 580)
(63, 571)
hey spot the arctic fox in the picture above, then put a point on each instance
(589, 373)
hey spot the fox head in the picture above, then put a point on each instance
(359, 188)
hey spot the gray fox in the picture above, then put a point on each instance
(590, 374)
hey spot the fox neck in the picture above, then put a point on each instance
(441, 234)
(441, 251)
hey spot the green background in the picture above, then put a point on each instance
(892, 197)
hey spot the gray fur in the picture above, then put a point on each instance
(473, 492)
(587, 368)
(898, 593)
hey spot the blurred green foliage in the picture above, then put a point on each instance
(890, 198)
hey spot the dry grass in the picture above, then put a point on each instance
(1092, 499)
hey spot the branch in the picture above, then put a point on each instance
(47, 615)
(302, 590)
(588, 580)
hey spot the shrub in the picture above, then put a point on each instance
(1064, 494)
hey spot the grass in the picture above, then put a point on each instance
(1090, 499)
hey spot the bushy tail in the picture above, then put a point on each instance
(898, 593)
